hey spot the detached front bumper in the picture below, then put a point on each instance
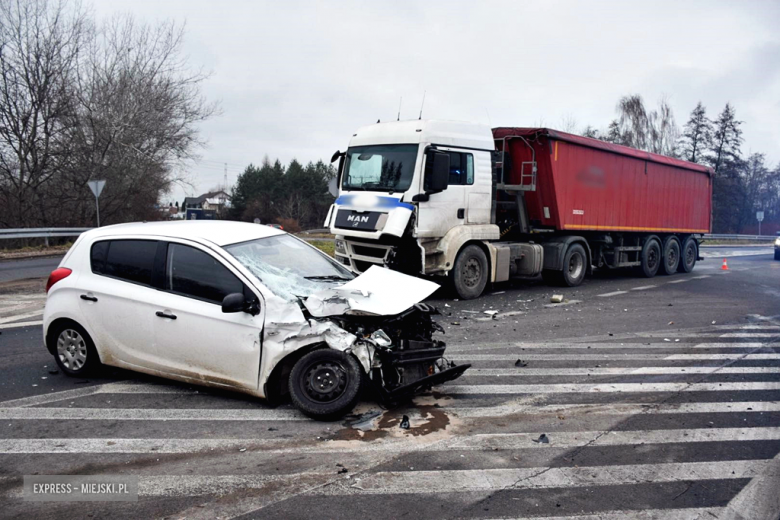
(410, 389)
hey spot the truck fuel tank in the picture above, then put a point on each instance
(515, 259)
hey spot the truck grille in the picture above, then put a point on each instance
(369, 251)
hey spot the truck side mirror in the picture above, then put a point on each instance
(437, 171)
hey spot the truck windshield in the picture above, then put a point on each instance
(387, 167)
(288, 266)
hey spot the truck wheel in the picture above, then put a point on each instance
(469, 275)
(688, 255)
(575, 264)
(777, 254)
(325, 384)
(651, 257)
(671, 260)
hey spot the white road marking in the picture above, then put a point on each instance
(605, 371)
(21, 316)
(600, 346)
(701, 277)
(151, 414)
(452, 481)
(617, 409)
(605, 388)
(22, 324)
(614, 293)
(514, 441)
(644, 288)
(750, 335)
(108, 388)
(462, 357)
(692, 513)
(680, 280)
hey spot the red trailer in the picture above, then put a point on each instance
(626, 207)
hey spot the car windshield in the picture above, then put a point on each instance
(380, 168)
(288, 266)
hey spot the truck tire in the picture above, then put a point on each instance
(575, 266)
(325, 384)
(651, 257)
(671, 258)
(469, 275)
(688, 255)
(777, 254)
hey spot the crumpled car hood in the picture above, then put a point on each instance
(377, 292)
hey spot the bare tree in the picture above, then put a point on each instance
(654, 131)
(39, 46)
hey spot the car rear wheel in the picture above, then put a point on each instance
(651, 257)
(671, 259)
(688, 256)
(325, 384)
(74, 350)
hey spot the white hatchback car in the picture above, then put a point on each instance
(244, 307)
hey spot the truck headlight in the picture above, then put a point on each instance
(341, 247)
(777, 241)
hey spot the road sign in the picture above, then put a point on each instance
(760, 216)
(96, 187)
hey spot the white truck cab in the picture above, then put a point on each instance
(412, 193)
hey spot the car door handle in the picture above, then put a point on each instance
(161, 314)
(88, 298)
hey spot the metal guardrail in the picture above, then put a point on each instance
(41, 232)
(753, 238)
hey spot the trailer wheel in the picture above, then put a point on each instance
(575, 265)
(651, 257)
(671, 260)
(469, 275)
(688, 256)
(325, 384)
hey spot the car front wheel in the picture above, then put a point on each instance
(325, 384)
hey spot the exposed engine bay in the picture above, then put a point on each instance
(404, 357)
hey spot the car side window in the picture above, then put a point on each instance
(130, 260)
(461, 169)
(194, 273)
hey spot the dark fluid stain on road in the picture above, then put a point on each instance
(374, 425)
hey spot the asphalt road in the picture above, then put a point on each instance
(11, 270)
(659, 398)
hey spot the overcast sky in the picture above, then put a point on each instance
(295, 79)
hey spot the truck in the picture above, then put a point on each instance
(478, 205)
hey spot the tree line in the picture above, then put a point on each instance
(742, 184)
(84, 100)
(294, 196)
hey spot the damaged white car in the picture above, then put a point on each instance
(244, 307)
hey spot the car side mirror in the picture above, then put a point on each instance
(437, 171)
(237, 302)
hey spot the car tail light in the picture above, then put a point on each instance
(57, 275)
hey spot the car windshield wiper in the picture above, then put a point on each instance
(328, 277)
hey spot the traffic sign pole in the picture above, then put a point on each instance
(97, 188)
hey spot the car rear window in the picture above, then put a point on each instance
(130, 260)
(192, 272)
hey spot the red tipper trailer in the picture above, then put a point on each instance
(584, 184)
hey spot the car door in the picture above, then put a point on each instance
(192, 334)
(117, 300)
(447, 209)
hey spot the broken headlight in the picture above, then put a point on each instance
(381, 339)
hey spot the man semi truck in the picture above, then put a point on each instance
(477, 205)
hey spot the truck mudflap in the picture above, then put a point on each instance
(402, 392)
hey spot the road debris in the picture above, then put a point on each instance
(521, 363)
(454, 323)
(405, 422)
(490, 312)
(556, 298)
(542, 439)
(52, 372)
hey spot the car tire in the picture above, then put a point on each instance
(74, 350)
(469, 275)
(575, 263)
(651, 257)
(688, 255)
(339, 376)
(671, 256)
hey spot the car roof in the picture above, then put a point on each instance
(219, 232)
